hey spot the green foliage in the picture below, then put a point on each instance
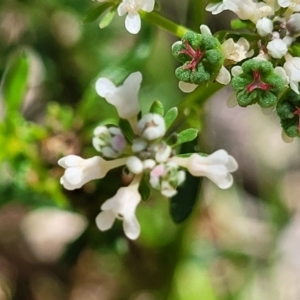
(257, 84)
(171, 116)
(15, 82)
(288, 112)
(157, 108)
(201, 57)
(186, 135)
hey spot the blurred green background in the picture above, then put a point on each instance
(239, 244)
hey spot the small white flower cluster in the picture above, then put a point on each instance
(145, 154)
(278, 24)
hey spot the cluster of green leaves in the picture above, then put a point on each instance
(289, 112)
(257, 84)
(201, 58)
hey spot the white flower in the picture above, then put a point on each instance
(216, 167)
(124, 97)
(109, 141)
(236, 51)
(134, 165)
(152, 126)
(121, 206)
(277, 48)
(248, 9)
(166, 178)
(131, 8)
(292, 69)
(293, 5)
(216, 8)
(79, 170)
(264, 26)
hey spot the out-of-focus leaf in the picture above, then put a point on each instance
(15, 82)
(144, 188)
(170, 116)
(187, 135)
(107, 17)
(95, 12)
(182, 204)
(157, 108)
(126, 129)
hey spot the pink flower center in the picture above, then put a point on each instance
(195, 56)
(257, 83)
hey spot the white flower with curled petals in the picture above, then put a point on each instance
(124, 97)
(79, 171)
(121, 206)
(292, 69)
(244, 9)
(216, 8)
(264, 26)
(216, 167)
(238, 51)
(152, 126)
(277, 48)
(131, 8)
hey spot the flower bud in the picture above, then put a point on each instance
(109, 141)
(152, 126)
(277, 48)
(264, 26)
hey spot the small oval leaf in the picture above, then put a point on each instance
(107, 18)
(157, 108)
(186, 135)
(95, 12)
(170, 116)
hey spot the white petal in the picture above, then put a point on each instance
(223, 76)
(236, 71)
(148, 5)
(133, 23)
(70, 161)
(231, 101)
(132, 227)
(134, 165)
(105, 220)
(73, 175)
(105, 88)
(205, 30)
(122, 9)
(232, 164)
(187, 87)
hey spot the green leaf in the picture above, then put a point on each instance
(170, 116)
(15, 82)
(182, 204)
(107, 17)
(157, 108)
(144, 188)
(126, 130)
(95, 12)
(186, 135)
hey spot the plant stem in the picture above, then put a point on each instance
(164, 23)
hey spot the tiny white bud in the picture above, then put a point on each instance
(152, 126)
(134, 165)
(277, 48)
(138, 145)
(264, 26)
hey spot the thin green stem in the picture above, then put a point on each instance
(164, 23)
